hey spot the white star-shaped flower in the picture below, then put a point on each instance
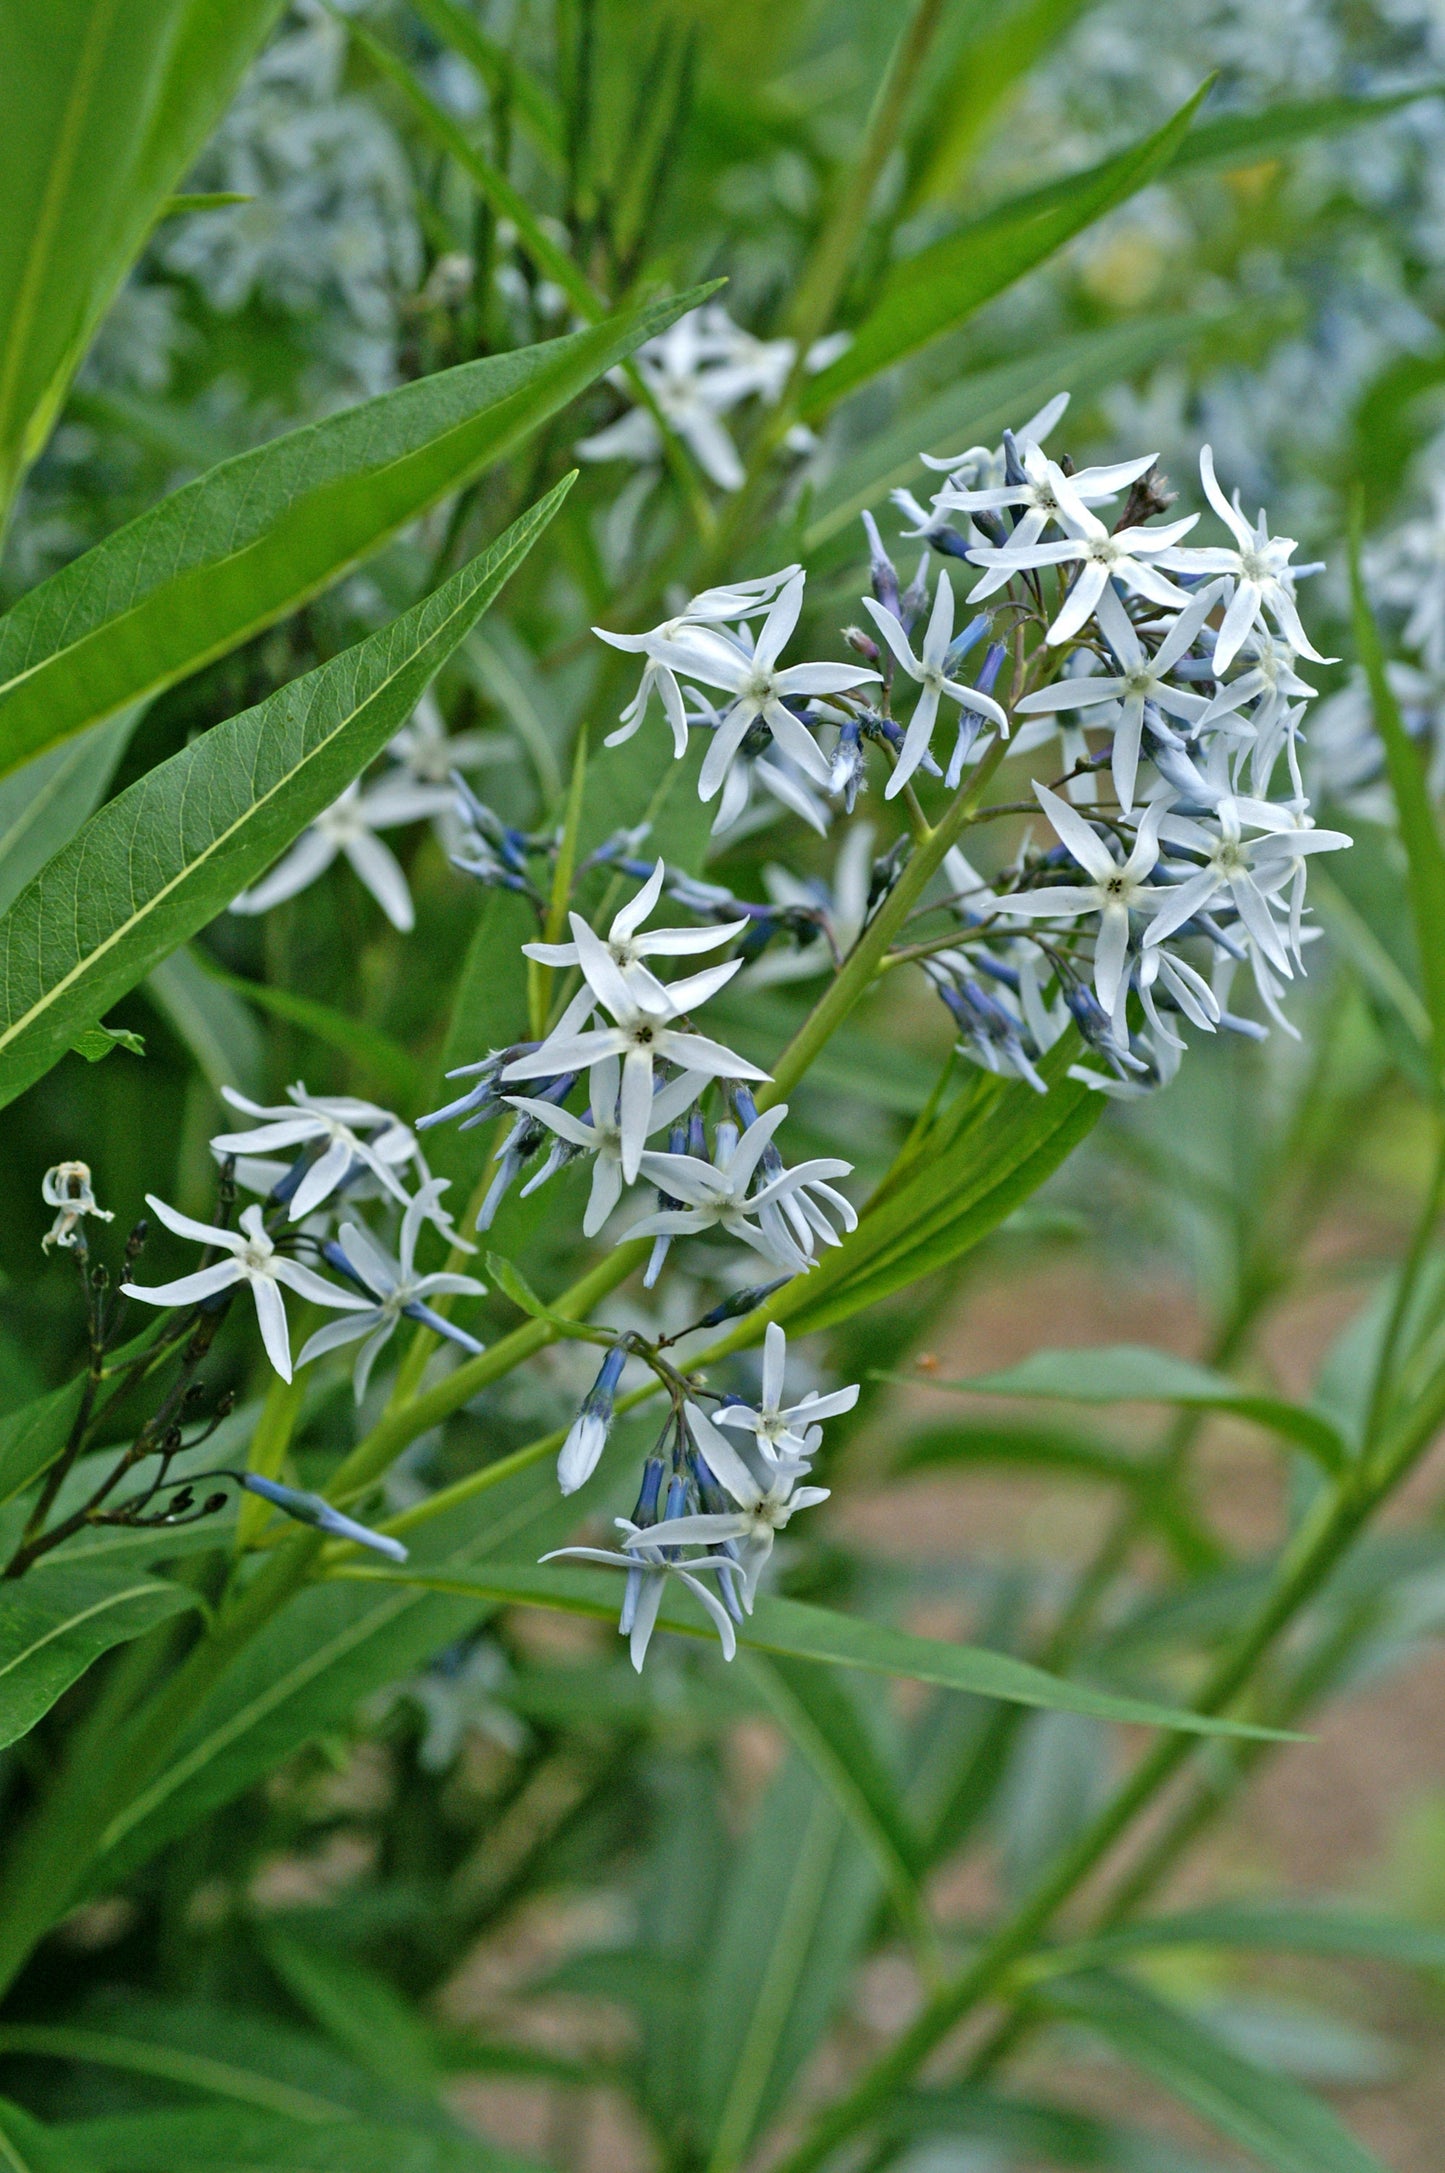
(1260, 568)
(1102, 555)
(714, 607)
(1113, 891)
(928, 669)
(251, 1258)
(340, 1121)
(715, 1195)
(782, 1431)
(765, 1506)
(397, 1289)
(758, 685)
(1035, 496)
(628, 948)
(648, 1570)
(349, 827)
(602, 1137)
(643, 1034)
(1141, 678)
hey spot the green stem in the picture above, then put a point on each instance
(864, 962)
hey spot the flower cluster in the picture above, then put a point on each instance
(1152, 684)
(707, 1505)
(338, 1150)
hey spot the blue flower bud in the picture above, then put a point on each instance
(315, 1510)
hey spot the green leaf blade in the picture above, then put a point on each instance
(254, 538)
(804, 1632)
(57, 1621)
(161, 860)
(936, 290)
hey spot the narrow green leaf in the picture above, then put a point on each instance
(102, 109)
(203, 1008)
(57, 1621)
(241, 2058)
(28, 2147)
(1131, 1373)
(161, 860)
(792, 1920)
(510, 1279)
(177, 207)
(233, 2139)
(990, 59)
(312, 1665)
(1041, 1448)
(360, 2010)
(1419, 827)
(1327, 1930)
(1248, 139)
(817, 1633)
(255, 537)
(966, 1175)
(393, 1067)
(1038, 2129)
(44, 804)
(936, 290)
(1283, 2125)
(508, 203)
(827, 1720)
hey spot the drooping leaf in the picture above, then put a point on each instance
(251, 540)
(1132, 1373)
(1283, 2126)
(55, 1622)
(44, 804)
(161, 860)
(817, 1633)
(102, 109)
(936, 290)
